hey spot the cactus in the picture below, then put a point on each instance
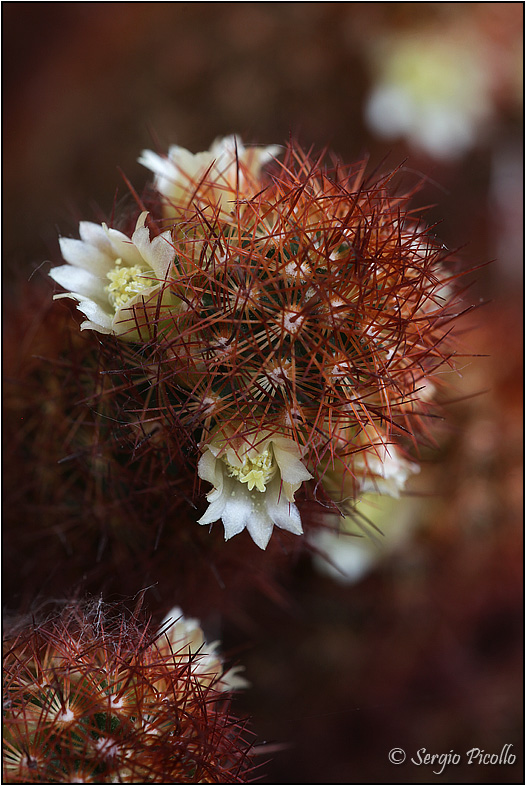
(94, 696)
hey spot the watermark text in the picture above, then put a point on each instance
(439, 761)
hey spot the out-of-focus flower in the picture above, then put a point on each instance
(254, 478)
(376, 527)
(370, 464)
(226, 172)
(185, 640)
(382, 470)
(341, 556)
(117, 280)
(434, 90)
(364, 485)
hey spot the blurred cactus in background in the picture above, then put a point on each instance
(93, 696)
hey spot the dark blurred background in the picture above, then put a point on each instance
(425, 650)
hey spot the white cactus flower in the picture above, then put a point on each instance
(184, 638)
(345, 559)
(377, 527)
(369, 463)
(382, 470)
(433, 90)
(254, 479)
(116, 280)
(218, 175)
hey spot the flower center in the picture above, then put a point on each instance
(256, 472)
(126, 282)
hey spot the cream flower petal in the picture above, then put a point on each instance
(260, 527)
(215, 510)
(283, 513)
(232, 680)
(81, 254)
(161, 166)
(238, 511)
(123, 247)
(227, 146)
(291, 468)
(79, 281)
(190, 166)
(95, 314)
(95, 235)
(226, 153)
(98, 327)
(230, 148)
(159, 253)
(178, 173)
(209, 469)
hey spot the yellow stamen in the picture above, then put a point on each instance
(255, 472)
(126, 282)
